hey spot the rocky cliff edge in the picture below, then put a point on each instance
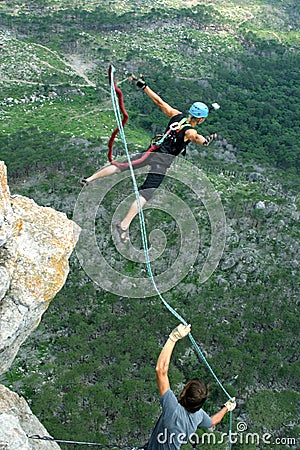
(35, 245)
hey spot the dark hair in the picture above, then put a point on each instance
(193, 395)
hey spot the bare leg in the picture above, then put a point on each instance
(133, 211)
(105, 172)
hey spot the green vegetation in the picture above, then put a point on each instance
(88, 371)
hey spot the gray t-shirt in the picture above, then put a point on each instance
(176, 424)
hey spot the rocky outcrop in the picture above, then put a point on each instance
(18, 423)
(35, 244)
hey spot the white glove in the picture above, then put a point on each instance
(231, 404)
(180, 332)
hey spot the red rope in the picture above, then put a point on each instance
(124, 120)
(116, 131)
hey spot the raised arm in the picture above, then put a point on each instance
(164, 106)
(163, 362)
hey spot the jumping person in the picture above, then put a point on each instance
(178, 134)
(180, 418)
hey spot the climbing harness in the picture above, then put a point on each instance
(174, 128)
(116, 95)
(117, 99)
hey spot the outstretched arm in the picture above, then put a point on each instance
(216, 418)
(193, 136)
(229, 406)
(163, 362)
(164, 106)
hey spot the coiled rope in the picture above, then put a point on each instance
(119, 107)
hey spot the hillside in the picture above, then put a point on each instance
(88, 371)
(246, 57)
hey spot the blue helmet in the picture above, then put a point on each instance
(199, 110)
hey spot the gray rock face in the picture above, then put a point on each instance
(4, 282)
(35, 245)
(17, 422)
(33, 265)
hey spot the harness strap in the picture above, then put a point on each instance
(136, 161)
(175, 126)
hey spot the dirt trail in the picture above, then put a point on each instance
(16, 80)
(76, 64)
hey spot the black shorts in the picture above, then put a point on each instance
(159, 163)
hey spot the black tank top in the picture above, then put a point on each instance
(174, 143)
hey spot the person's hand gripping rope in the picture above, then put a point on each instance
(180, 332)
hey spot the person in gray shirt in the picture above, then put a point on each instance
(180, 417)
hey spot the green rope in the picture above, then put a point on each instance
(145, 242)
